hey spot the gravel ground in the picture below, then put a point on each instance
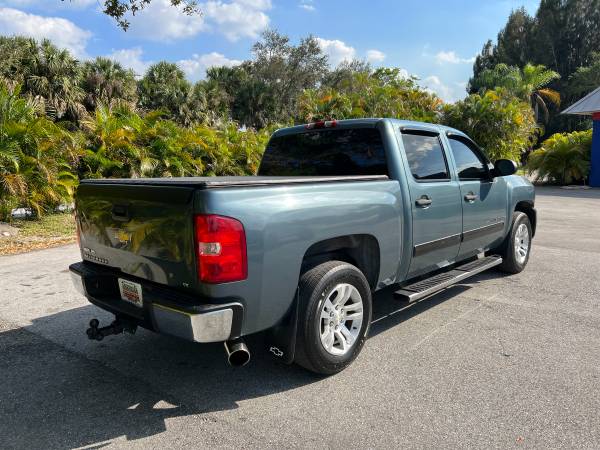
(493, 363)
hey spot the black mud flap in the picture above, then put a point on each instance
(281, 339)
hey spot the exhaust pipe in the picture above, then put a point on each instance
(238, 354)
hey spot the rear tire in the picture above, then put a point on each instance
(516, 247)
(334, 317)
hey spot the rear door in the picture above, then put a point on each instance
(435, 200)
(483, 198)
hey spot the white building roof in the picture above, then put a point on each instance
(587, 106)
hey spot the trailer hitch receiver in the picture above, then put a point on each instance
(118, 326)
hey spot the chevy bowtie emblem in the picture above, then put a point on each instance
(276, 352)
(123, 236)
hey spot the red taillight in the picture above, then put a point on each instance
(220, 249)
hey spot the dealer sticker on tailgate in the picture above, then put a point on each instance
(131, 292)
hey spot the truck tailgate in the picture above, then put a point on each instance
(145, 231)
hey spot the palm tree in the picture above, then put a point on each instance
(16, 54)
(535, 80)
(55, 78)
(36, 155)
(164, 87)
(107, 82)
(530, 84)
(563, 157)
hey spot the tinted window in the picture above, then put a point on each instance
(468, 163)
(357, 151)
(425, 157)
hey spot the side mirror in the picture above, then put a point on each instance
(504, 167)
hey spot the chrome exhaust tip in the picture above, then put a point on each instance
(238, 354)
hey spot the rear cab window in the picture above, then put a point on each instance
(329, 152)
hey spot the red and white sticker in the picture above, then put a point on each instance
(131, 292)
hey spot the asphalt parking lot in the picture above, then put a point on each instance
(496, 362)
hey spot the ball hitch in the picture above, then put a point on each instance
(95, 333)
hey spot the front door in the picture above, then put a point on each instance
(436, 202)
(483, 198)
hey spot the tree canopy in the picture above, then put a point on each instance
(119, 9)
(62, 119)
(562, 36)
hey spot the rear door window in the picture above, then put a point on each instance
(425, 156)
(353, 151)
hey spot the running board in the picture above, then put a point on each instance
(436, 283)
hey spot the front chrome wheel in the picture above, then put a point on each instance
(341, 319)
(521, 243)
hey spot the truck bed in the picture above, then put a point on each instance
(222, 182)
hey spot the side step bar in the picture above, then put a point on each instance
(436, 283)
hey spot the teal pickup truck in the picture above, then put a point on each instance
(339, 209)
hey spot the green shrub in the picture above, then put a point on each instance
(503, 125)
(382, 93)
(123, 144)
(41, 162)
(562, 158)
(36, 156)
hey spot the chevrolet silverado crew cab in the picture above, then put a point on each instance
(339, 209)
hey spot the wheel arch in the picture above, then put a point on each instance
(360, 250)
(526, 207)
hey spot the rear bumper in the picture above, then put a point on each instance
(164, 309)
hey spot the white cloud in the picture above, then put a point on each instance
(448, 93)
(336, 50)
(307, 5)
(62, 32)
(375, 56)
(131, 58)
(452, 58)
(239, 18)
(160, 21)
(49, 5)
(404, 74)
(195, 67)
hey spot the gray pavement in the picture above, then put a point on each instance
(493, 363)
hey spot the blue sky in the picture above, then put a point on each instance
(435, 40)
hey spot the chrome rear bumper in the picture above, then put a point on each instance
(197, 323)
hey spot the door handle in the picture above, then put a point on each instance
(120, 213)
(470, 197)
(424, 201)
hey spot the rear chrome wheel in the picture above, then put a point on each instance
(341, 319)
(334, 315)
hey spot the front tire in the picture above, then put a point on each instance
(334, 317)
(516, 247)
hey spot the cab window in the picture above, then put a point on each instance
(470, 164)
(425, 157)
(342, 151)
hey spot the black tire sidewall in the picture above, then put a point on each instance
(321, 360)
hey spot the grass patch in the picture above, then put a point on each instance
(49, 231)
